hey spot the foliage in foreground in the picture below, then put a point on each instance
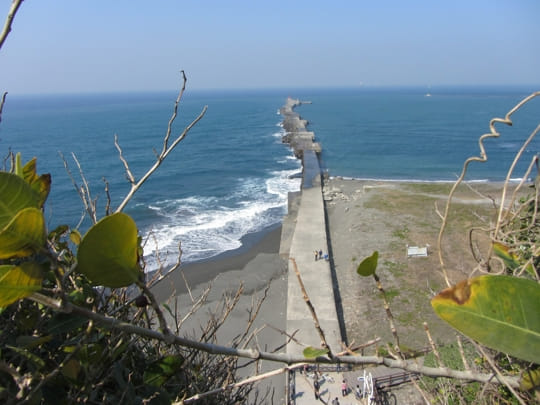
(51, 356)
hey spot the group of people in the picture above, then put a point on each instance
(335, 401)
(319, 255)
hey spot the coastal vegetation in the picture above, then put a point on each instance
(81, 323)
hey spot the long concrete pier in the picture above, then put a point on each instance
(307, 236)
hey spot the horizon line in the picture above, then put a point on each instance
(424, 88)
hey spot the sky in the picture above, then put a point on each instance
(73, 46)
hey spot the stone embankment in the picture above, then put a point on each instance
(300, 241)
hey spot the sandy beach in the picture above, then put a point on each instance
(365, 216)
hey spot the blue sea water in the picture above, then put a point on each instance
(231, 175)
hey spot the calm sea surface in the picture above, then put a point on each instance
(230, 177)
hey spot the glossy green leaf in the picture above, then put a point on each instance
(501, 312)
(18, 282)
(159, 371)
(368, 266)
(108, 252)
(24, 235)
(313, 352)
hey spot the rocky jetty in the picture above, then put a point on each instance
(297, 135)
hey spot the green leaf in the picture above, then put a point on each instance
(18, 165)
(501, 312)
(29, 342)
(22, 226)
(75, 237)
(71, 369)
(65, 323)
(24, 235)
(368, 265)
(40, 184)
(158, 372)
(108, 252)
(15, 195)
(511, 260)
(17, 282)
(313, 352)
(35, 360)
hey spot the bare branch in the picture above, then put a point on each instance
(249, 380)
(164, 153)
(173, 116)
(2, 104)
(113, 323)
(15, 4)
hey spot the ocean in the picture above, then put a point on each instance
(232, 174)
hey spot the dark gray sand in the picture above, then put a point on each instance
(255, 268)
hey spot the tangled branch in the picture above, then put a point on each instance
(482, 158)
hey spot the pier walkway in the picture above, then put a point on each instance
(299, 241)
(308, 236)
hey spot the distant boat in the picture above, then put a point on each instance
(428, 95)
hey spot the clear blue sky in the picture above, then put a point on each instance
(132, 45)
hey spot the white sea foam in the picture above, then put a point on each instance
(208, 226)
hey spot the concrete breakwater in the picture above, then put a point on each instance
(301, 238)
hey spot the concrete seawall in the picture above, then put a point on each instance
(302, 235)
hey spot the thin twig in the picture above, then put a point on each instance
(500, 377)
(249, 380)
(389, 316)
(311, 308)
(433, 346)
(164, 153)
(462, 353)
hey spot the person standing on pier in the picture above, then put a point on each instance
(316, 386)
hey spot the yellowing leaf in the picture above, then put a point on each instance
(368, 266)
(510, 259)
(17, 282)
(501, 312)
(75, 237)
(530, 380)
(15, 195)
(24, 235)
(108, 253)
